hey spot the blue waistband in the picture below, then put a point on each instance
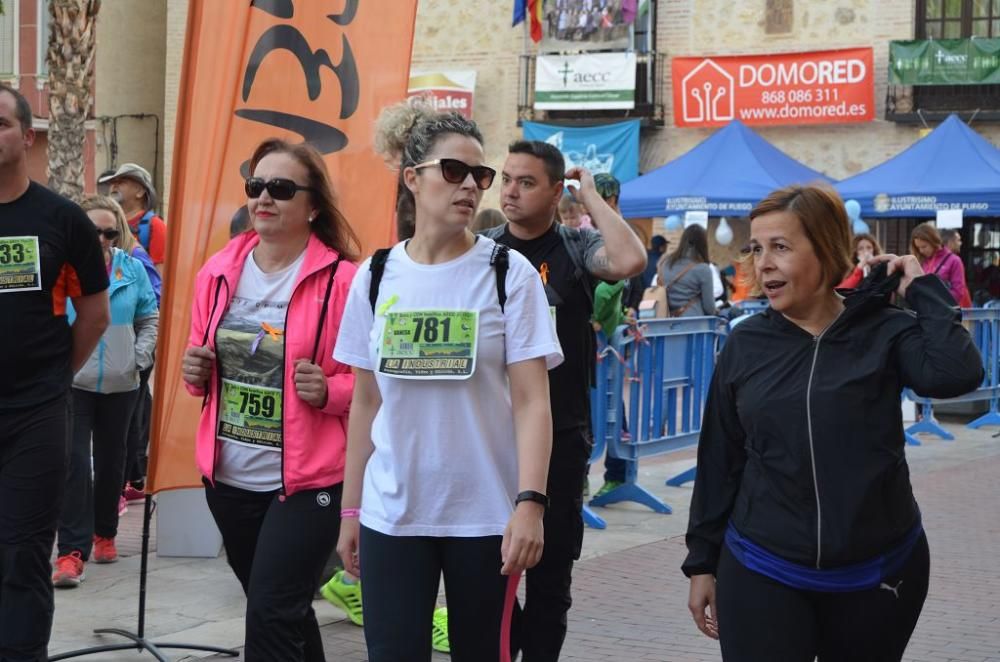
(857, 577)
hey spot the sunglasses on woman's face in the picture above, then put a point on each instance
(455, 172)
(108, 233)
(278, 188)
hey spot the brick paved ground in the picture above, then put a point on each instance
(630, 596)
(631, 604)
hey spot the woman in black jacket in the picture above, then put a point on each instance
(804, 539)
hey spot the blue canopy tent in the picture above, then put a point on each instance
(953, 167)
(725, 175)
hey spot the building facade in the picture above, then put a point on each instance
(130, 84)
(479, 37)
(24, 40)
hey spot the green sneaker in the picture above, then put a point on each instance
(439, 631)
(607, 487)
(346, 597)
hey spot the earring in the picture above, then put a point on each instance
(312, 218)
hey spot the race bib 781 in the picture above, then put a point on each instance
(429, 344)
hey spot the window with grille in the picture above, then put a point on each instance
(8, 45)
(955, 19)
(43, 37)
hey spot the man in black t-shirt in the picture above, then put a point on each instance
(48, 252)
(532, 186)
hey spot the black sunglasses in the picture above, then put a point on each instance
(108, 234)
(278, 188)
(455, 172)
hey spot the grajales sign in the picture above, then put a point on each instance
(448, 91)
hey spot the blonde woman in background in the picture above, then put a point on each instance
(104, 395)
(138, 431)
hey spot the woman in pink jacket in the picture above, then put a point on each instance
(935, 258)
(271, 441)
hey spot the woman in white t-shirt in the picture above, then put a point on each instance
(273, 430)
(450, 422)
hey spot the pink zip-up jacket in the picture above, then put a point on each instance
(314, 440)
(949, 268)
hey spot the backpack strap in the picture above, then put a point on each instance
(144, 229)
(326, 304)
(683, 309)
(377, 269)
(501, 262)
(573, 240)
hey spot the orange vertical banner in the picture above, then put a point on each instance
(318, 71)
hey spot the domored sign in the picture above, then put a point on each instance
(823, 87)
(593, 80)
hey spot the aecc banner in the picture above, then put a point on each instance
(822, 87)
(945, 62)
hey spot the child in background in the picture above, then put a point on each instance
(572, 214)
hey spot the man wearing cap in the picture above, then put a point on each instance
(132, 186)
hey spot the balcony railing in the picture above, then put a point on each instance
(931, 103)
(651, 70)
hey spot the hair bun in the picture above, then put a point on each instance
(395, 124)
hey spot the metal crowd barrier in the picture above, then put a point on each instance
(662, 375)
(986, 334)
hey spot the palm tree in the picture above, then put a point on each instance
(72, 40)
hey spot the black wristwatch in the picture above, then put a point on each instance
(532, 495)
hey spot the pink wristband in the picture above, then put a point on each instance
(350, 512)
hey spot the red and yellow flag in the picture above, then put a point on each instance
(295, 69)
(535, 17)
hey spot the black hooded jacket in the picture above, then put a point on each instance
(802, 443)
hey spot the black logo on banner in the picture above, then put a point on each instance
(324, 137)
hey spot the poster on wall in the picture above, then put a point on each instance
(821, 87)
(573, 25)
(448, 91)
(585, 81)
(612, 148)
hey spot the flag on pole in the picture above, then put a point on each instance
(520, 11)
(251, 72)
(535, 10)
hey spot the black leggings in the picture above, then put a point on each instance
(761, 619)
(137, 440)
(91, 507)
(400, 576)
(277, 547)
(33, 445)
(540, 628)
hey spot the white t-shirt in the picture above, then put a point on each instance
(250, 345)
(445, 457)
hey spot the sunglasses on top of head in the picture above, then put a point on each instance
(455, 172)
(108, 233)
(278, 188)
